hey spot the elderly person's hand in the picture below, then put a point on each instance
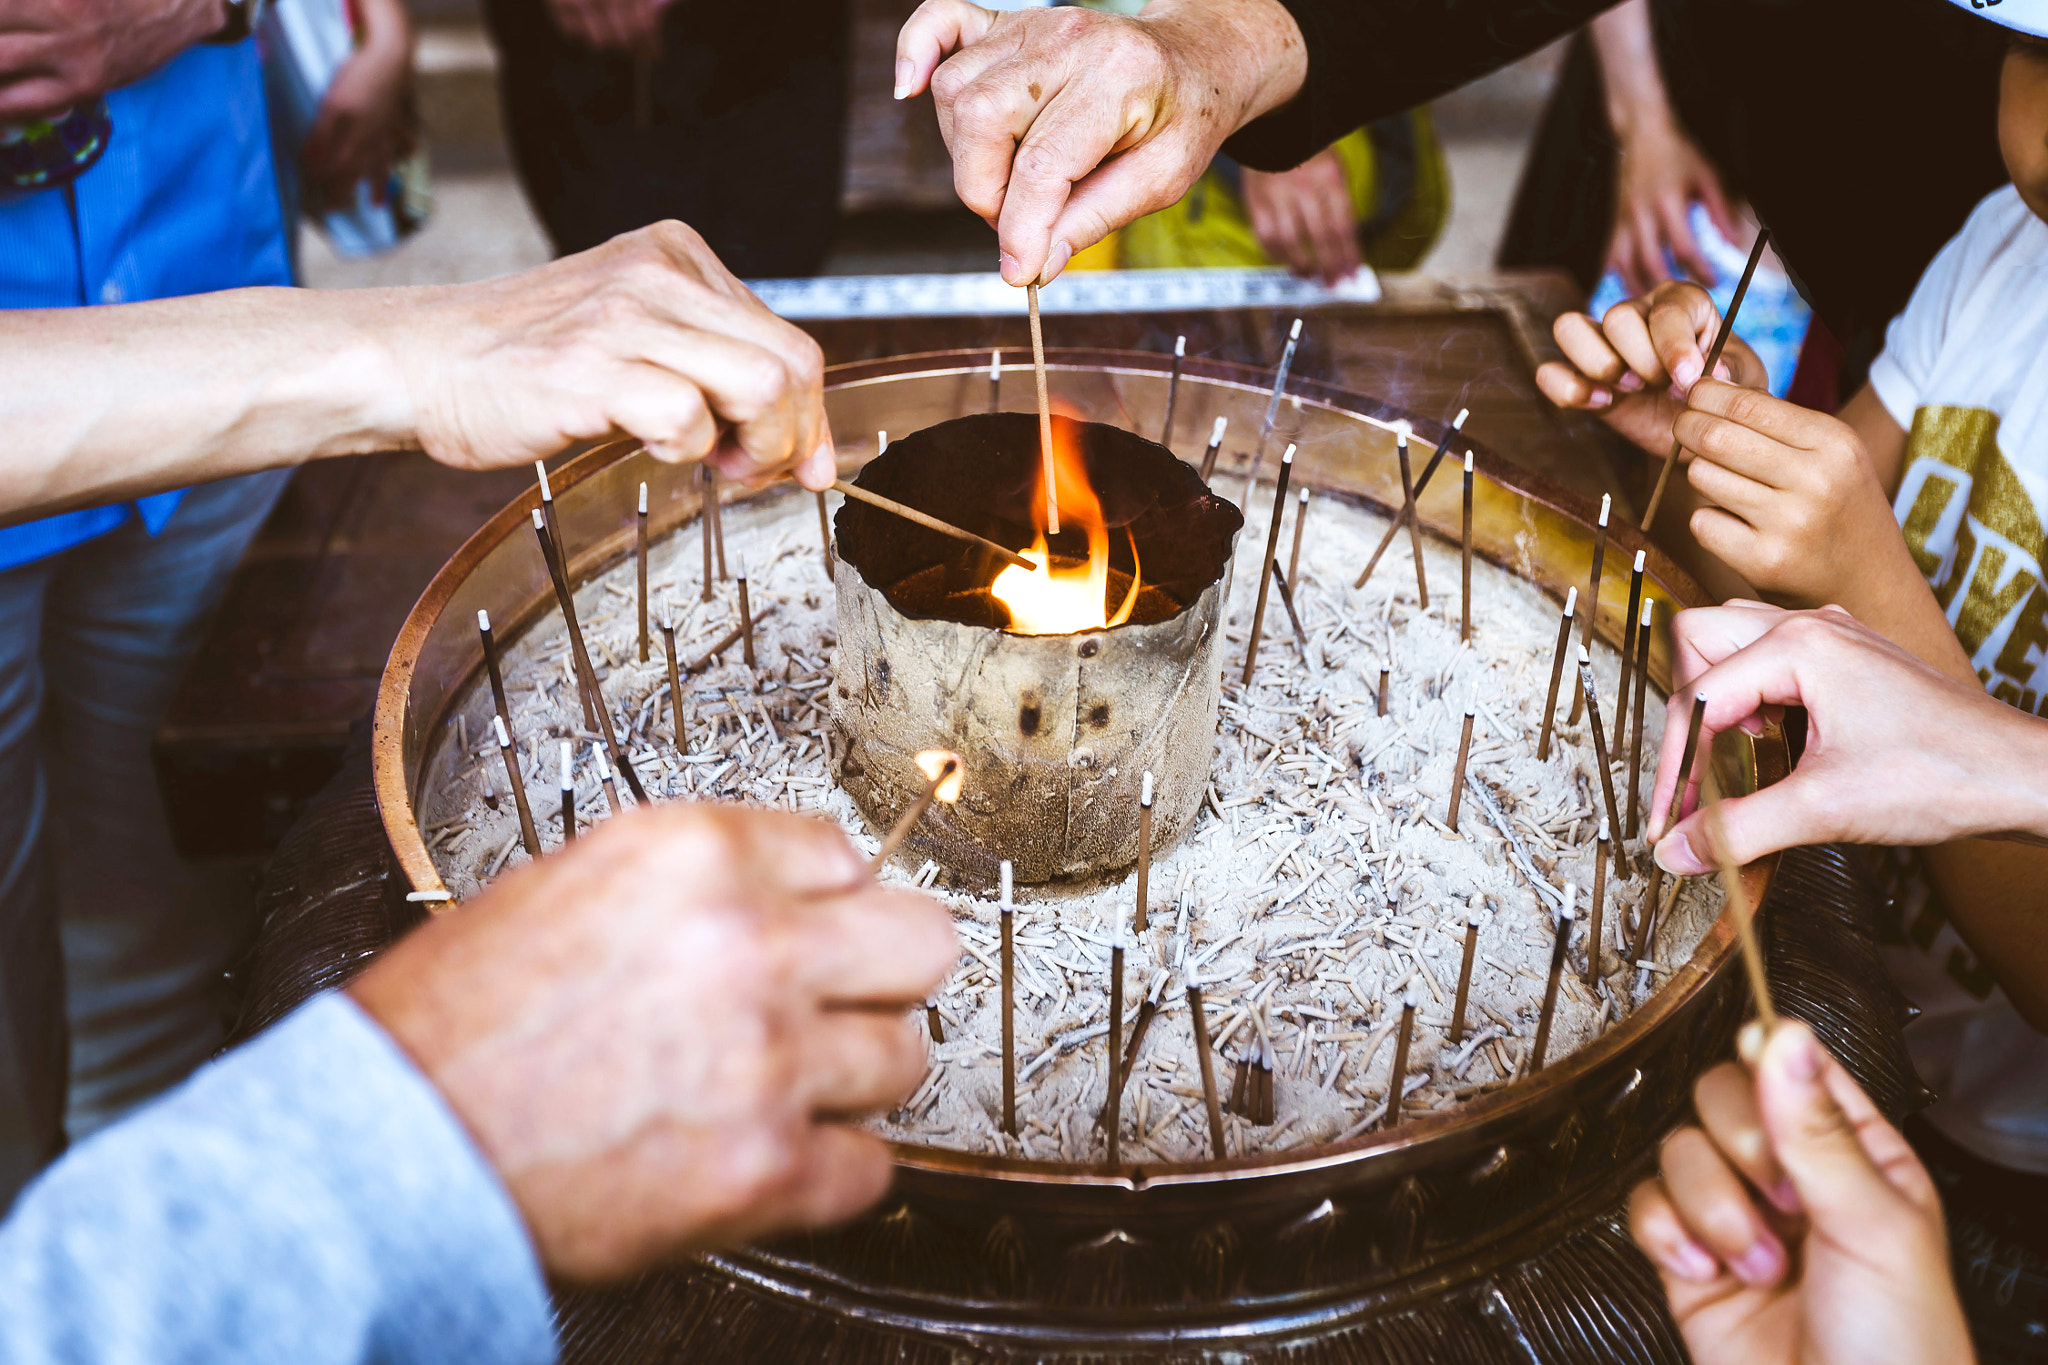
(1066, 124)
(364, 124)
(657, 1036)
(57, 53)
(1304, 218)
(1794, 1226)
(1896, 751)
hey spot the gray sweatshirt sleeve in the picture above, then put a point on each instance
(309, 1197)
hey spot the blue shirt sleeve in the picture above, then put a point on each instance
(308, 1198)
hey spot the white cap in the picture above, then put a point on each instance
(483, 619)
(1565, 912)
(1180, 344)
(568, 764)
(1471, 710)
(1458, 422)
(604, 769)
(995, 363)
(2026, 16)
(1606, 502)
(1402, 431)
(1304, 495)
(1216, 432)
(643, 499)
(1468, 462)
(1007, 903)
(1287, 457)
(1585, 659)
(539, 523)
(540, 468)
(1145, 794)
(1649, 612)
(504, 737)
(1413, 999)
(881, 441)
(1604, 835)
(1639, 560)
(1294, 332)
(1571, 601)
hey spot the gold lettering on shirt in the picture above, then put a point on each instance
(1977, 537)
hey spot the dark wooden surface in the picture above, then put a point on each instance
(293, 656)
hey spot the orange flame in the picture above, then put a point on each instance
(1060, 598)
(935, 764)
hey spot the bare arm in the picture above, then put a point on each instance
(647, 335)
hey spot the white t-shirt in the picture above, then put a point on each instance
(1965, 371)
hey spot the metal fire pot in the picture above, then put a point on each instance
(1058, 728)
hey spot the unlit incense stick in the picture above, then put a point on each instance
(483, 629)
(1756, 253)
(1009, 916)
(1564, 640)
(1599, 738)
(528, 835)
(1409, 1004)
(640, 563)
(1465, 590)
(1596, 909)
(1412, 512)
(1465, 974)
(1205, 1062)
(704, 525)
(1116, 1043)
(932, 1023)
(1635, 761)
(1215, 445)
(930, 522)
(1180, 350)
(1592, 616)
(1401, 517)
(1458, 773)
(1628, 654)
(1559, 946)
(1251, 652)
(604, 778)
(1300, 520)
(1293, 616)
(555, 550)
(1144, 852)
(1052, 495)
(995, 381)
(568, 793)
(1380, 704)
(593, 696)
(1273, 405)
(746, 617)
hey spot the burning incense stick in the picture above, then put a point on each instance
(1215, 445)
(1756, 253)
(604, 777)
(1052, 495)
(1737, 897)
(932, 1023)
(1628, 654)
(1564, 638)
(704, 524)
(1465, 973)
(1251, 652)
(1596, 910)
(825, 534)
(1381, 707)
(1411, 513)
(528, 835)
(930, 522)
(1599, 738)
(640, 564)
(1635, 756)
(942, 772)
(746, 617)
(1205, 1062)
(995, 381)
(593, 696)
(1458, 773)
(716, 502)
(1144, 851)
(1558, 948)
(568, 794)
(1180, 350)
(1592, 616)
(1409, 1004)
(1273, 406)
(1116, 1044)
(1465, 594)
(1293, 617)
(1401, 517)
(1009, 917)
(1300, 520)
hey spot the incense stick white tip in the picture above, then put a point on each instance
(1585, 659)
(1604, 836)
(539, 523)
(1571, 601)
(1471, 710)
(1145, 792)
(1566, 912)
(1458, 422)
(483, 619)
(881, 442)
(1606, 503)
(1641, 555)
(604, 769)
(995, 364)
(1288, 456)
(1180, 347)
(643, 499)
(1649, 613)
(1216, 432)
(504, 737)
(1294, 332)
(1413, 1000)
(547, 494)
(1304, 496)
(1468, 462)
(1402, 431)
(1008, 901)
(568, 765)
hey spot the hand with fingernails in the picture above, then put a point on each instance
(1794, 1225)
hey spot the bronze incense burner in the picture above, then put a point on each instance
(1487, 1233)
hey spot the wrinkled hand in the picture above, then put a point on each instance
(363, 126)
(1896, 751)
(1303, 218)
(648, 334)
(1794, 1226)
(1066, 124)
(1636, 365)
(652, 1036)
(57, 53)
(1659, 175)
(609, 25)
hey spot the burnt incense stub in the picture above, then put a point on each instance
(1057, 728)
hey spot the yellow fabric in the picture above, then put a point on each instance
(1210, 227)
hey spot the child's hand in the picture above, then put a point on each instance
(1635, 365)
(1798, 509)
(364, 125)
(1796, 1225)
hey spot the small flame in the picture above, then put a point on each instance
(1060, 599)
(934, 763)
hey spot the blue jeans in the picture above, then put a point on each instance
(98, 926)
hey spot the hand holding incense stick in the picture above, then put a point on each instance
(1052, 492)
(930, 522)
(943, 773)
(1756, 253)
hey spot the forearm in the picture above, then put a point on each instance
(1996, 894)
(1366, 62)
(1629, 74)
(103, 404)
